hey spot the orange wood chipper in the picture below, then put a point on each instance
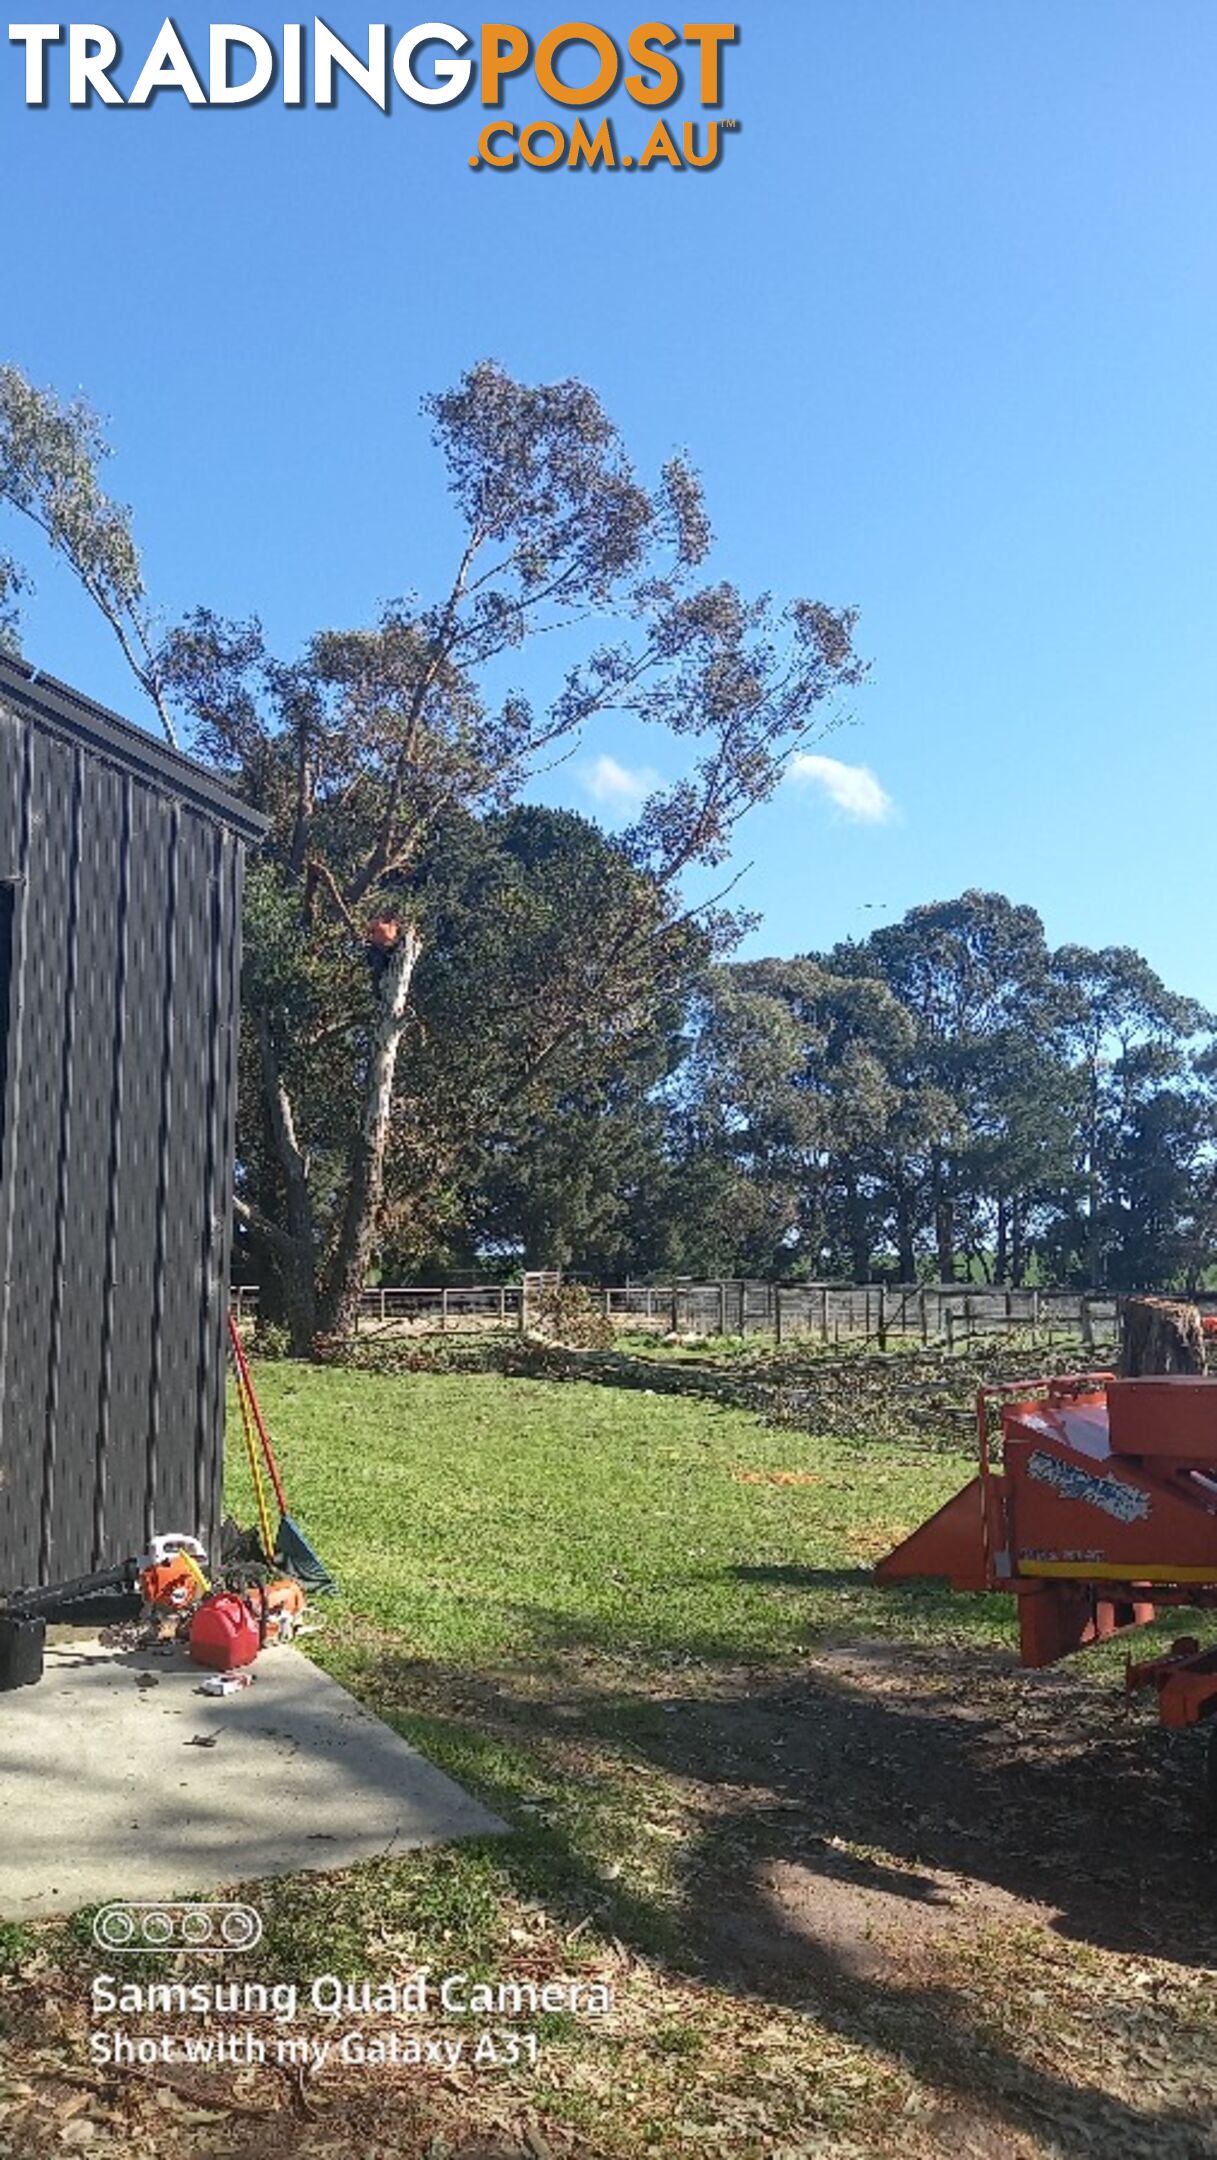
(1094, 1504)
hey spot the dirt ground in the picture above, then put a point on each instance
(1003, 1880)
(998, 1796)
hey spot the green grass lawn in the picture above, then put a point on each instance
(479, 1517)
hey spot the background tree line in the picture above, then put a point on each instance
(949, 1098)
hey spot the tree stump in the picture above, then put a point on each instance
(1160, 1335)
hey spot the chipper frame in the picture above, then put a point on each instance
(1094, 1503)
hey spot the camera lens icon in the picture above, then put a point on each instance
(114, 1929)
(149, 1926)
(241, 1927)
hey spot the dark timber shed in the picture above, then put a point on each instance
(120, 891)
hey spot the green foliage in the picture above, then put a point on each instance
(50, 457)
(386, 757)
(16, 1945)
(949, 1096)
(271, 1340)
(13, 582)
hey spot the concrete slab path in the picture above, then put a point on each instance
(119, 1780)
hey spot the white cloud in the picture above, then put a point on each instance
(619, 788)
(853, 789)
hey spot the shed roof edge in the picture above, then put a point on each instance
(71, 713)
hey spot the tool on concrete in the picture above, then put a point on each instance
(169, 1578)
(170, 1574)
(22, 1644)
(266, 1535)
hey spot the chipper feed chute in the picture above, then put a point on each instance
(1095, 1503)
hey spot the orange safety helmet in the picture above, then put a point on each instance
(384, 933)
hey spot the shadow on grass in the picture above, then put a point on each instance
(788, 1781)
(807, 1578)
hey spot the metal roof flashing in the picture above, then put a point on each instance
(56, 706)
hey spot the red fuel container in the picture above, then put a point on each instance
(225, 1632)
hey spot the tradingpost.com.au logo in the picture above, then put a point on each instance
(576, 65)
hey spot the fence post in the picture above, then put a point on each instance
(675, 1309)
(777, 1315)
(948, 1318)
(882, 1327)
(443, 1312)
(923, 1314)
(824, 1313)
(1087, 1324)
(722, 1308)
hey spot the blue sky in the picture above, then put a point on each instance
(940, 332)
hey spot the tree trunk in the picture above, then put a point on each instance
(944, 1236)
(361, 1214)
(858, 1230)
(1018, 1257)
(297, 1273)
(1160, 1335)
(1002, 1255)
(905, 1241)
(295, 1249)
(1094, 1231)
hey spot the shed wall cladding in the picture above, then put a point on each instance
(121, 864)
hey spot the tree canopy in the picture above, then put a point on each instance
(951, 1095)
(371, 750)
